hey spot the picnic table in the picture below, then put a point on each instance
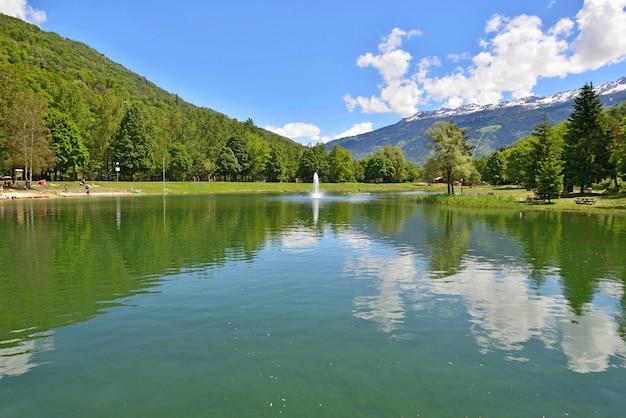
(585, 201)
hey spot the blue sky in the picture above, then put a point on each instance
(316, 71)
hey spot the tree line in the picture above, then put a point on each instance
(67, 111)
(585, 151)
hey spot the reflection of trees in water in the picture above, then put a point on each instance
(580, 249)
(541, 242)
(64, 258)
(504, 295)
(448, 239)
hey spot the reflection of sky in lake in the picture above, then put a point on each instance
(298, 240)
(16, 356)
(505, 313)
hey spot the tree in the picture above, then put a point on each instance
(617, 133)
(397, 160)
(227, 165)
(275, 169)
(495, 165)
(517, 163)
(586, 152)
(259, 152)
(180, 161)
(132, 144)
(340, 165)
(452, 153)
(379, 169)
(314, 160)
(29, 137)
(108, 112)
(545, 165)
(240, 150)
(67, 143)
(549, 178)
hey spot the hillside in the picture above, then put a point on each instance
(94, 92)
(489, 127)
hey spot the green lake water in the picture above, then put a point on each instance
(262, 305)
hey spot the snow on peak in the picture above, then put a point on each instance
(529, 102)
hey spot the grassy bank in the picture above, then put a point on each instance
(63, 189)
(516, 198)
(480, 197)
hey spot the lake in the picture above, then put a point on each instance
(262, 305)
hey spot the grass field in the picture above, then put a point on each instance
(517, 198)
(487, 197)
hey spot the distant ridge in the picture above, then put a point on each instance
(489, 126)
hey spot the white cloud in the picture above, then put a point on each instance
(22, 10)
(399, 94)
(357, 129)
(516, 52)
(306, 133)
(602, 37)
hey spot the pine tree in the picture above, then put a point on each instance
(549, 178)
(586, 151)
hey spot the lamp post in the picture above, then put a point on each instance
(117, 171)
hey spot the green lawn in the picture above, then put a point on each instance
(492, 197)
(100, 187)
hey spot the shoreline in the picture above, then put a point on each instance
(477, 197)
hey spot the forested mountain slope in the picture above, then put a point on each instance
(44, 71)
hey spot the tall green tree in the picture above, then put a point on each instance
(518, 159)
(377, 169)
(179, 161)
(314, 159)
(452, 155)
(545, 165)
(397, 160)
(340, 168)
(259, 152)
(275, 169)
(108, 112)
(494, 169)
(240, 150)
(617, 133)
(131, 147)
(586, 151)
(549, 178)
(67, 143)
(226, 165)
(29, 140)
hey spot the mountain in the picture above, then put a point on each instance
(489, 127)
(93, 93)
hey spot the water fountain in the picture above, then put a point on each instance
(316, 186)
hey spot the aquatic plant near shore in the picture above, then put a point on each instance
(469, 200)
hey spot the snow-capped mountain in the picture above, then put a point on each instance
(605, 91)
(489, 126)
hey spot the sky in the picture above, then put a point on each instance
(318, 71)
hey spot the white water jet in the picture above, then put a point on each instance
(316, 186)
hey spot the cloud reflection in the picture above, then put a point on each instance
(299, 240)
(17, 358)
(506, 313)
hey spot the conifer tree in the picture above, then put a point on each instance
(586, 151)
